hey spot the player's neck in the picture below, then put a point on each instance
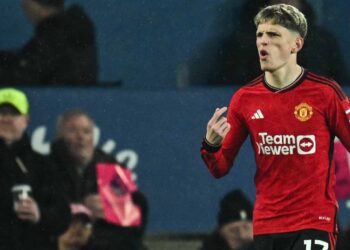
(283, 77)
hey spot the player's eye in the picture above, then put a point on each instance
(272, 34)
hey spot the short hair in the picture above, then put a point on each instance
(51, 3)
(67, 115)
(285, 15)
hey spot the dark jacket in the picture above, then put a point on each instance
(106, 236)
(17, 234)
(343, 241)
(62, 51)
(76, 186)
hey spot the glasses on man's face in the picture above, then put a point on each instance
(9, 110)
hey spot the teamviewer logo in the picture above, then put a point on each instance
(306, 144)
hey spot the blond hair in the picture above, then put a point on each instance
(285, 15)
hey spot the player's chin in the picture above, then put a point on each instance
(265, 67)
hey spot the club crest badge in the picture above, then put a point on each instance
(303, 112)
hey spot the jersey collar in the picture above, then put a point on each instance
(293, 85)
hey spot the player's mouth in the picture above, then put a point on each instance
(263, 54)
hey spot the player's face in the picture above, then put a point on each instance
(78, 133)
(275, 44)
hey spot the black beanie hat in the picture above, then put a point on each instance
(51, 3)
(235, 206)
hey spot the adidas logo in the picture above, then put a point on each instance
(258, 115)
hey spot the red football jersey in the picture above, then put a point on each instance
(292, 132)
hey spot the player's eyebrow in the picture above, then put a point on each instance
(269, 33)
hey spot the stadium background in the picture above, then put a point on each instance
(157, 125)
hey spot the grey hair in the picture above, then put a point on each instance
(285, 15)
(69, 114)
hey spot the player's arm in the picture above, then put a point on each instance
(223, 139)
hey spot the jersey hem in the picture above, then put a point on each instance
(284, 230)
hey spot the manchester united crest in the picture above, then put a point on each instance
(303, 112)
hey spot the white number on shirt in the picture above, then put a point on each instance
(308, 244)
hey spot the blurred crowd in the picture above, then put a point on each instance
(78, 197)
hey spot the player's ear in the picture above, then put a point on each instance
(298, 45)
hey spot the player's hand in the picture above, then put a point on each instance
(217, 127)
(28, 210)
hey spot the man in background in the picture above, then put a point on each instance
(30, 197)
(76, 158)
(234, 230)
(61, 51)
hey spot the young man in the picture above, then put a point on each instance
(292, 116)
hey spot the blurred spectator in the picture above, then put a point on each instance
(232, 59)
(342, 171)
(234, 230)
(28, 214)
(62, 50)
(76, 157)
(343, 242)
(342, 188)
